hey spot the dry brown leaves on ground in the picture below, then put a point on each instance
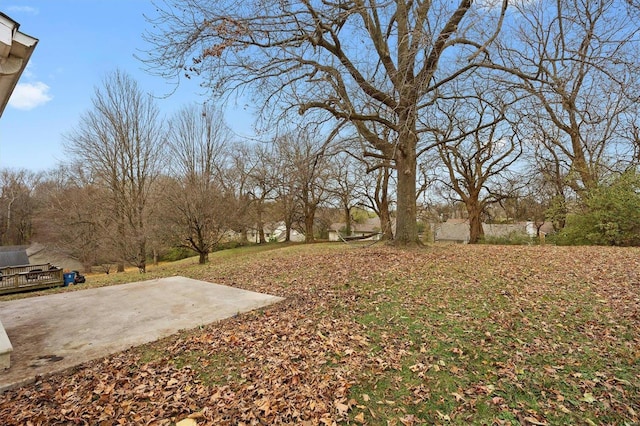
(440, 335)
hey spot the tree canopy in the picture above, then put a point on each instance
(374, 67)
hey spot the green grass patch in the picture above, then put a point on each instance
(488, 355)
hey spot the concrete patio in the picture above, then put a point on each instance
(52, 333)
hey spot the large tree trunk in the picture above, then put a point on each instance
(142, 256)
(381, 206)
(581, 168)
(309, 218)
(475, 223)
(121, 242)
(347, 221)
(405, 159)
(121, 246)
(385, 222)
(261, 237)
(202, 248)
(142, 246)
(260, 225)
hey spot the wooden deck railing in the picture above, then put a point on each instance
(29, 277)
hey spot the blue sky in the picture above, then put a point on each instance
(80, 42)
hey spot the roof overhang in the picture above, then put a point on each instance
(15, 50)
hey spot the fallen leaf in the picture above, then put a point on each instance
(342, 408)
(444, 417)
(458, 397)
(535, 421)
(187, 422)
(409, 420)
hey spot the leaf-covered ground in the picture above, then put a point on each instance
(438, 335)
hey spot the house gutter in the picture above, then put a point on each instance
(15, 51)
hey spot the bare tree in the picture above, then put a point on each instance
(262, 182)
(306, 168)
(376, 194)
(75, 217)
(346, 174)
(375, 66)
(577, 59)
(478, 151)
(120, 140)
(238, 182)
(17, 205)
(286, 203)
(200, 212)
(549, 173)
(375, 186)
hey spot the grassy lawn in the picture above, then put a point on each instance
(450, 335)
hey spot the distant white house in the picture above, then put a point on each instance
(275, 232)
(15, 50)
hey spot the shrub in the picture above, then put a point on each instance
(610, 215)
(231, 245)
(177, 253)
(513, 239)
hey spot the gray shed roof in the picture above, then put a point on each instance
(13, 256)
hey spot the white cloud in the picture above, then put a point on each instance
(24, 9)
(27, 96)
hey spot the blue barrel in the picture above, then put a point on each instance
(69, 278)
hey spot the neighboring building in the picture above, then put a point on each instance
(13, 256)
(457, 230)
(40, 254)
(15, 50)
(275, 232)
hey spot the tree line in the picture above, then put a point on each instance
(474, 90)
(140, 185)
